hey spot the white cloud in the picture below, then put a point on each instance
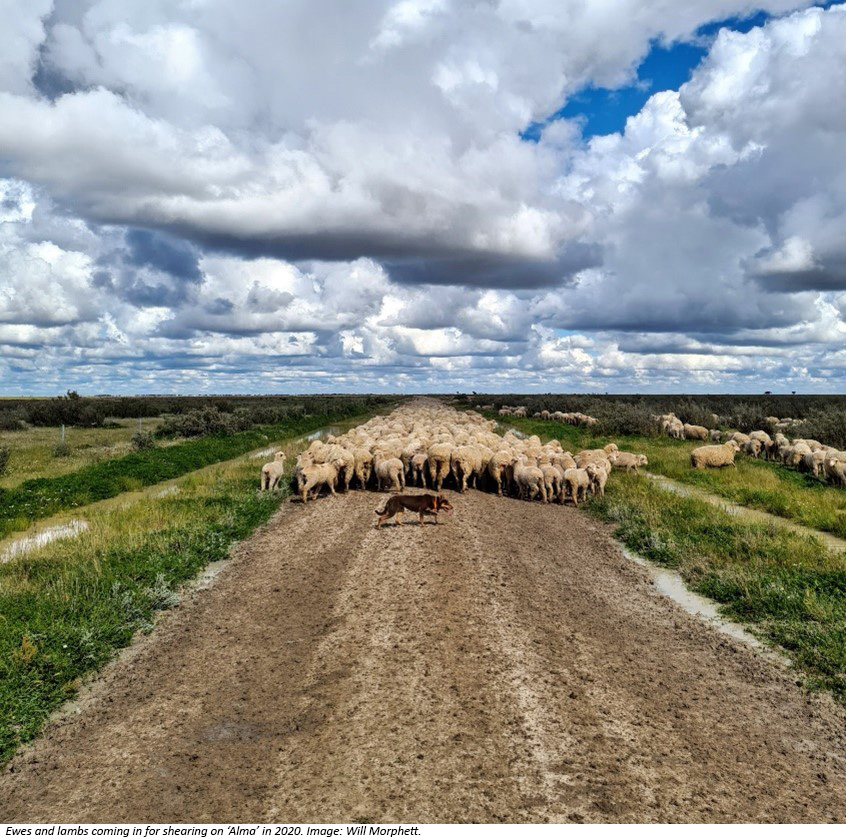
(342, 195)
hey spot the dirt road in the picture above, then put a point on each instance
(507, 665)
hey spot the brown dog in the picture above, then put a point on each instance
(422, 504)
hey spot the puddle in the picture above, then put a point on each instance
(320, 434)
(671, 584)
(44, 537)
(210, 573)
(263, 453)
(757, 516)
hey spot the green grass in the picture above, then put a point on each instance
(756, 484)
(68, 607)
(42, 497)
(32, 449)
(788, 589)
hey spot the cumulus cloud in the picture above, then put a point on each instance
(343, 196)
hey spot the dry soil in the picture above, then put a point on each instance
(506, 664)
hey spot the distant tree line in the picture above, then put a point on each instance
(185, 416)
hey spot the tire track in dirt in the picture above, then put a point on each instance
(508, 664)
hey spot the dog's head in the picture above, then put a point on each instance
(443, 504)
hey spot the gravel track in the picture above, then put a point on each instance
(506, 665)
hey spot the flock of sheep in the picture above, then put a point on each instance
(574, 418)
(800, 453)
(427, 444)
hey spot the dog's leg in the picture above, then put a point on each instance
(399, 517)
(420, 516)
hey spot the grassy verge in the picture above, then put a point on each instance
(68, 607)
(38, 498)
(756, 484)
(788, 589)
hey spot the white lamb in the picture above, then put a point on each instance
(272, 472)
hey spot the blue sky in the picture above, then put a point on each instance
(666, 67)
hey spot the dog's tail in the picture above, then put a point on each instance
(381, 512)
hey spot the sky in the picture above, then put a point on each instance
(642, 196)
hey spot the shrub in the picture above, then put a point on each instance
(628, 420)
(201, 422)
(62, 450)
(12, 421)
(5, 454)
(143, 440)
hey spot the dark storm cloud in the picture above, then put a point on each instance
(496, 272)
(165, 253)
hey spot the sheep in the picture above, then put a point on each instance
(611, 447)
(465, 461)
(598, 477)
(363, 465)
(813, 462)
(313, 476)
(835, 470)
(440, 455)
(345, 461)
(721, 455)
(628, 461)
(551, 480)
(389, 471)
(692, 432)
(272, 472)
(419, 462)
(530, 480)
(564, 460)
(794, 454)
(753, 447)
(498, 466)
(716, 435)
(588, 456)
(577, 483)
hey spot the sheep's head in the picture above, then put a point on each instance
(642, 461)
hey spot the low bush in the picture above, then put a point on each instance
(142, 441)
(62, 450)
(5, 454)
